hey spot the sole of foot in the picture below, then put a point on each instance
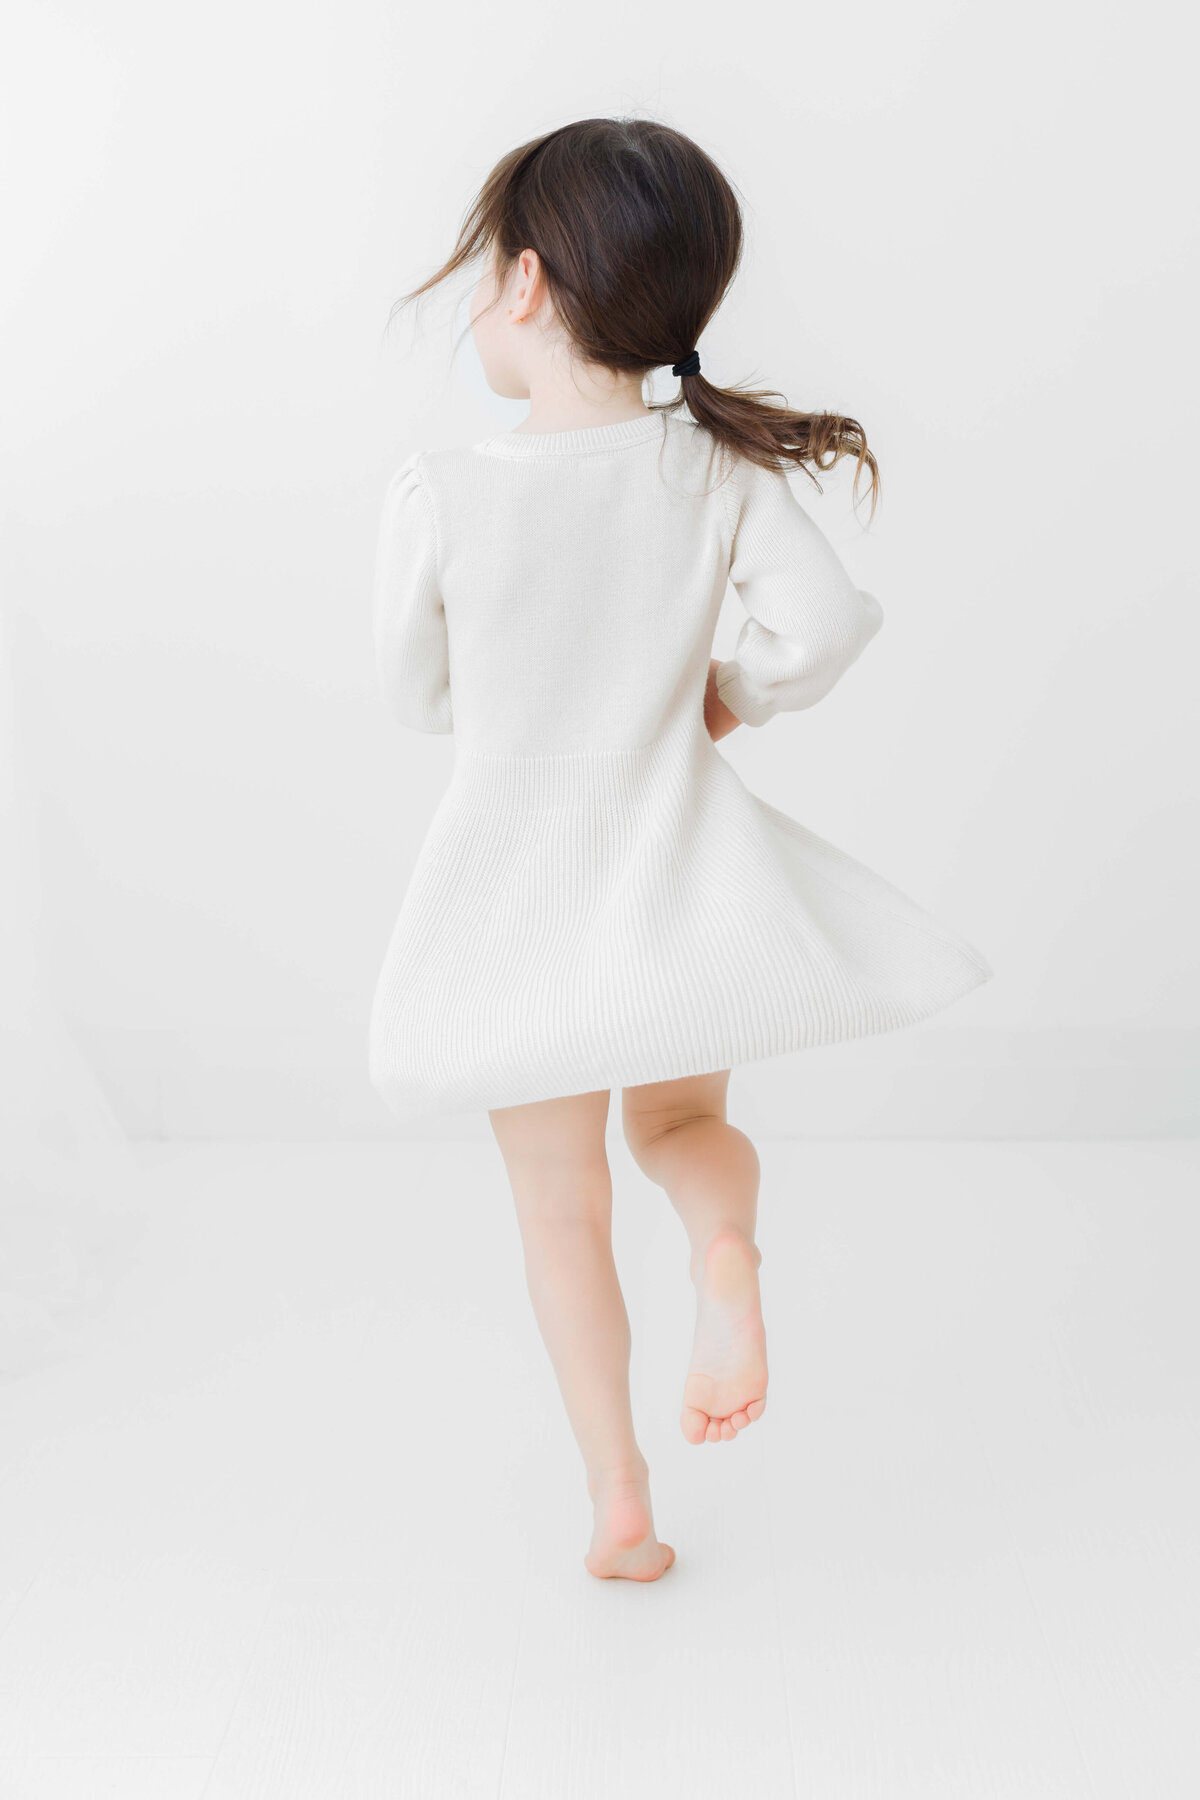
(623, 1541)
(726, 1386)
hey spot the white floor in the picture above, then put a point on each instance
(302, 1516)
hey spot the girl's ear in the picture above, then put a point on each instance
(530, 284)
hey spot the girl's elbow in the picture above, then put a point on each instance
(430, 713)
(870, 615)
(418, 708)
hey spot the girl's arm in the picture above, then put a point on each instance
(411, 647)
(807, 621)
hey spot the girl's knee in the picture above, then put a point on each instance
(647, 1133)
(658, 1108)
(662, 1146)
(559, 1200)
(559, 1181)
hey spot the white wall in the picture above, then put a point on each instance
(972, 230)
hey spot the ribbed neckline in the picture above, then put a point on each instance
(585, 437)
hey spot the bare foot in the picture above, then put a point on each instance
(623, 1540)
(726, 1385)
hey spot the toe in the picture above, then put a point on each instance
(694, 1424)
(754, 1408)
(713, 1434)
(739, 1420)
(727, 1431)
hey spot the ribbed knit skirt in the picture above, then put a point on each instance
(602, 919)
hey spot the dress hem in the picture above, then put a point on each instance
(418, 1110)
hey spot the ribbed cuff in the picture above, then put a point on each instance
(732, 690)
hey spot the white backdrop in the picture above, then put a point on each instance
(972, 231)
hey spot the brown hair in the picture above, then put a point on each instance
(639, 235)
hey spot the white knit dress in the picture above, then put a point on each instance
(599, 899)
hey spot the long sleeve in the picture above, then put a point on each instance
(411, 646)
(807, 621)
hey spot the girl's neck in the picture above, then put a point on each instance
(556, 408)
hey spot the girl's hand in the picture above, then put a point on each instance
(717, 716)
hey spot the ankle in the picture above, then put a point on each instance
(630, 1471)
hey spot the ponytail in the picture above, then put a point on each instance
(777, 437)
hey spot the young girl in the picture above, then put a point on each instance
(599, 901)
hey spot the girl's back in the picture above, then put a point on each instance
(581, 574)
(558, 591)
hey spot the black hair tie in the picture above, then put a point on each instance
(689, 366)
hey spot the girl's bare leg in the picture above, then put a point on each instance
(681, 1138)
(557, 1165)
